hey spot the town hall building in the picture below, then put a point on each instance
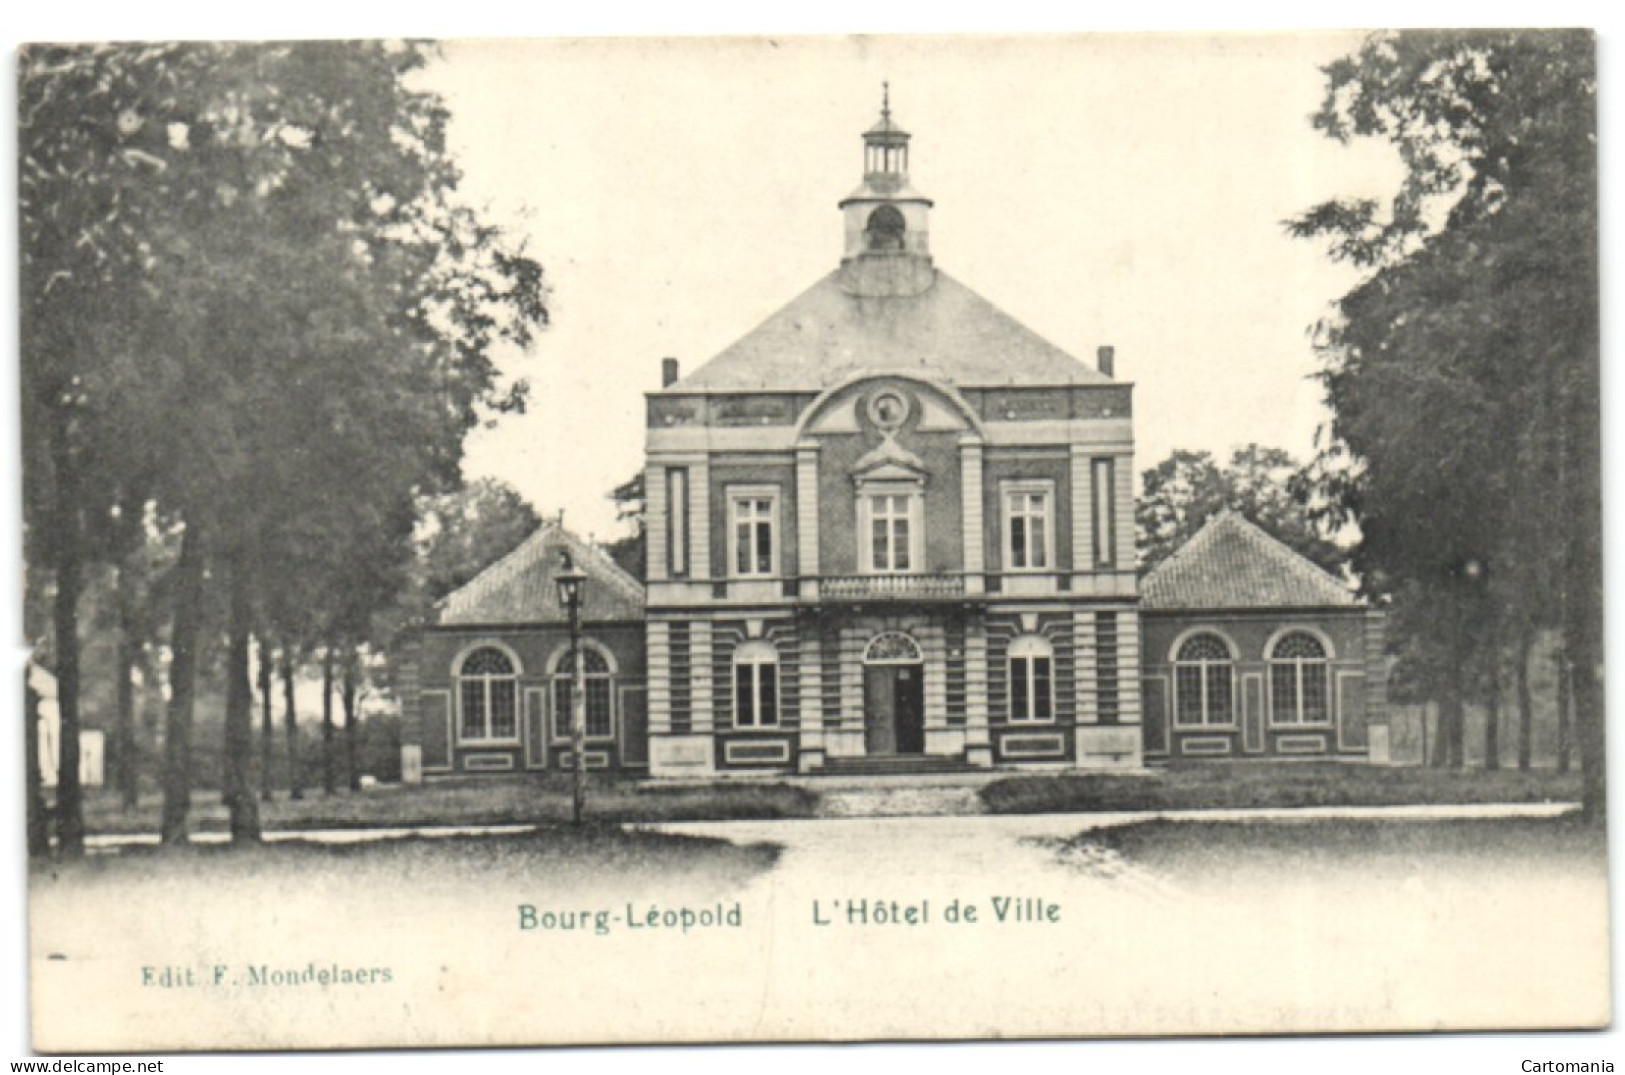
(891, 529)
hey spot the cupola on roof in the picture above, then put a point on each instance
(888, 308)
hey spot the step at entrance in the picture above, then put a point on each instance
(896, 765)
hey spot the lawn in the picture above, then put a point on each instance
(1235, 785)
(567, 856)
(480, 801)
(1248, 853)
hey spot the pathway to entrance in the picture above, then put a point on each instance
(898, 799)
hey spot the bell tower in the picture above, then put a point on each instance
(887, 220)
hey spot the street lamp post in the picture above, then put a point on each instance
(572, 584)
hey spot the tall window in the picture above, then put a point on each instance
(890, 531)
(1028, 534)
(1032, 679)
(1203, 678)
(677, 521)
(756, 685)
(487, 688)
(1105, 530)
(1298, 680)
(754, 519)
(598, 681)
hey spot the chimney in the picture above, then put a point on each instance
(1104, 357)
(668, 372)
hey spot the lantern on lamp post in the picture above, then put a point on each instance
(572, 584)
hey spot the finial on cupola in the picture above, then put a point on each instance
(885, 101)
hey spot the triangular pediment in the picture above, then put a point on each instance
(889, 461)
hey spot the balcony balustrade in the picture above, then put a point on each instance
(940, 586)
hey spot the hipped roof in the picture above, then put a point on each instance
(947, 331)
(1231, 563)
(520, 588)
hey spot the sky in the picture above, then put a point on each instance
(1122, 190)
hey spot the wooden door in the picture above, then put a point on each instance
(879, 710)
(908, 705)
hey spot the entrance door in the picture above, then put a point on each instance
(894, 709)
(909, 695)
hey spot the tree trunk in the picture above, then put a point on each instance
(327, 720)
(1452, 713)
(1526, 702)
(125, 774)
(1565, 706)
(1452, 730)
(183, 661)
(267, 722)
(245, 807)
(70, 806)
(351, 742)
(1588, 723)
(1441, 737)
(291, 721)
(39, 826)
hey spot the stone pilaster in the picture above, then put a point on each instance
(699, 634)
(970, 491)
(659, 651)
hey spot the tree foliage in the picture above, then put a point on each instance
(631, 550)
(1462, 373)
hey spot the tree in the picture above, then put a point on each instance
(1463, 372)
(252, 301)
(1180, 494)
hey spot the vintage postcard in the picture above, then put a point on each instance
(640, 540)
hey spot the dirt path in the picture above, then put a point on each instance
(928, 801)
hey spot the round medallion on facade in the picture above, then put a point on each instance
(888, 409)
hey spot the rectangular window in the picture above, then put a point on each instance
(1032, 691)
(756, 690)
(1027, 527)
(1105, 528)
(677, 522)
(890, 532)
(755, 517)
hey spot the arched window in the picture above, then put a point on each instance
(598, 679)
(1204, 681)
(892, 647)
(1298, 680)
(1032, 679)
(487, 690)
(884, 230)
(756, 685)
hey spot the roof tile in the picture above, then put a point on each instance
(946, 331)
(520, 587)
(1231, 563)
